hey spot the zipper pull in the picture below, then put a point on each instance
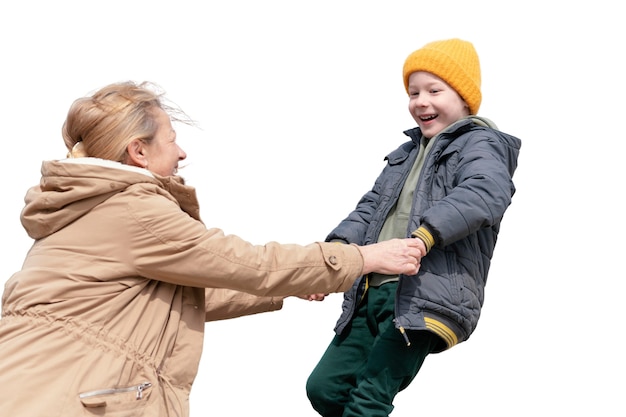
(141, 388)
(403, 333)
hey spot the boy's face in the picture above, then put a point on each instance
(433, 103)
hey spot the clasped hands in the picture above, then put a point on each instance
(390, 257)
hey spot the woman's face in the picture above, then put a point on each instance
(162, 152)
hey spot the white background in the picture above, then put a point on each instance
(298, 102)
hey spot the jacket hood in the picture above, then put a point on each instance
(69, 188)
(483, 121)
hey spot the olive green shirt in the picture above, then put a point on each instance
(397, 220)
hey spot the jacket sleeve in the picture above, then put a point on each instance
(482, 187)
(353, 228)
(368, 215)
(222, 304)
(168, 245)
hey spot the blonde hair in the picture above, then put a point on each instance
(104, 124)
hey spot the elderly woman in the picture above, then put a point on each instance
(107, 315)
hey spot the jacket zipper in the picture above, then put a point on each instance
(403, 333)
(139, 388)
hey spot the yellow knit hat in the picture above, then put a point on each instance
(453, 60)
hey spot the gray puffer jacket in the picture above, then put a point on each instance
(461, 196)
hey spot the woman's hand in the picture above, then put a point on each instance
(392, 257)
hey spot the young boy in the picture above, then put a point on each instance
(449, 187)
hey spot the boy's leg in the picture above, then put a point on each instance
(329, 385)
(391, 365)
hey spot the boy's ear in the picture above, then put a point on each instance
(136, 153)
(467, 108)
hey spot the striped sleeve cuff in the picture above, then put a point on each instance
(426, 237)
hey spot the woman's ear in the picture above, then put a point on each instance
(136, 153)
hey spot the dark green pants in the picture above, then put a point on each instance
(363, 369)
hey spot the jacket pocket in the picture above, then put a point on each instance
(123, 398)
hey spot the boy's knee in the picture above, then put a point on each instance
(319, 397)
(313, 390)
(325, 396)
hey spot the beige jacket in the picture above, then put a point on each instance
(107, 315)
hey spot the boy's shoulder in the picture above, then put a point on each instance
(465, 134)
